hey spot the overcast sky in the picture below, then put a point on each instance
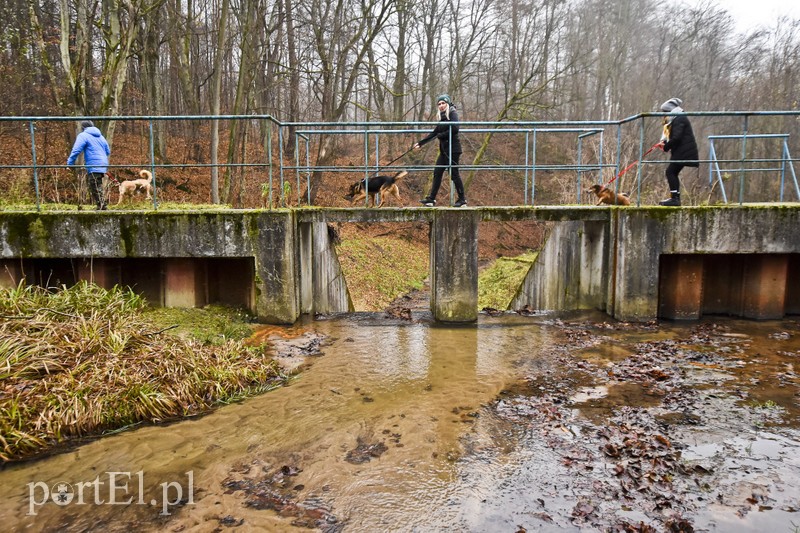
(750, 14)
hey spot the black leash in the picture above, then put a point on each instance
(390, 163)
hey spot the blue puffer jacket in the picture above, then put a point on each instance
(95, 148)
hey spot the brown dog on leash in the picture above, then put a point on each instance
(607, 196)
(383, 185)
(128, 187)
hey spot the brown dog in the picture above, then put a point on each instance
(383, 185)
(607, 196)
(128, 187)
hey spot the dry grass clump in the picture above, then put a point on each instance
(83, 360)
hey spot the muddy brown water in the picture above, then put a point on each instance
(514, 424)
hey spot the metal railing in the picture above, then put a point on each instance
(533, 152)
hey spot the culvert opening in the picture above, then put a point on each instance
(758, 286)
(506, 252)
(385, 265)
(164, 282)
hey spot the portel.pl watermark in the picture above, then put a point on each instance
(112, 488)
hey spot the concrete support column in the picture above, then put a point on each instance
(10, 273)
(276, 270)
(681, 287)
(184, 283)
(764, 293)
(454, 265)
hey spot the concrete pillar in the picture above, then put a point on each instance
(10, 273)
(184, 283)
(454, 265)
(277, 276)
(680, 292)
(764, 292)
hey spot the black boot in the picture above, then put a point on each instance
(673, 201)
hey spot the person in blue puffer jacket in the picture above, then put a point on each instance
(95, 151)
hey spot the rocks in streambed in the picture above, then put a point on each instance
(365, 451)
(277, 492)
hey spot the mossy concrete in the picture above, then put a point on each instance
(268, 237)
(595, 257)
(614, 267)
(454, 265)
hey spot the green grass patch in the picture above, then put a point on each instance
(498, 283)
(210, 325)
(379, 269)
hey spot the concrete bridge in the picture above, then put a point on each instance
(636, 264)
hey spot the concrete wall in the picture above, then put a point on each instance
(323, 288)
(571, 271)
(454, 265)
(615, 259)
(647, 234)
(652, 252)
(267, 236)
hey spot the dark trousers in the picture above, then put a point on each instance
(442, 164)
(673, 169)
(95, 180)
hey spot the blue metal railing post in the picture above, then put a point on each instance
(533, 170)
(450, 160)
(640, 165)
(280, 159)
(600, 159)
(308, 174)
(527, 153)
(619, 156)
(366, 167)
(269, 157)
(153, 166)
(578, 170)
(35, 169)
(791, 167)
(741, 164)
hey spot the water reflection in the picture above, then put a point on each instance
(424, 400)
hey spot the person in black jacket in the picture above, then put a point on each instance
(678, 138)
(445, 131)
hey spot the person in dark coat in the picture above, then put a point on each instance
(95, 151)
(449, 156)
(677, 138)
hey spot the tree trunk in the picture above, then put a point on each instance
(216, 89)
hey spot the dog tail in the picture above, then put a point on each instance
(400, 175)
(146, 174)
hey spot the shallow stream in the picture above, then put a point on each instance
(514, 424)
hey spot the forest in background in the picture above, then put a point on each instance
(379, 60)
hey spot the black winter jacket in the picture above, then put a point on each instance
(442, 132)
(681, 142)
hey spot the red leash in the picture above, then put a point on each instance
(624, 170)
(112, 178)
